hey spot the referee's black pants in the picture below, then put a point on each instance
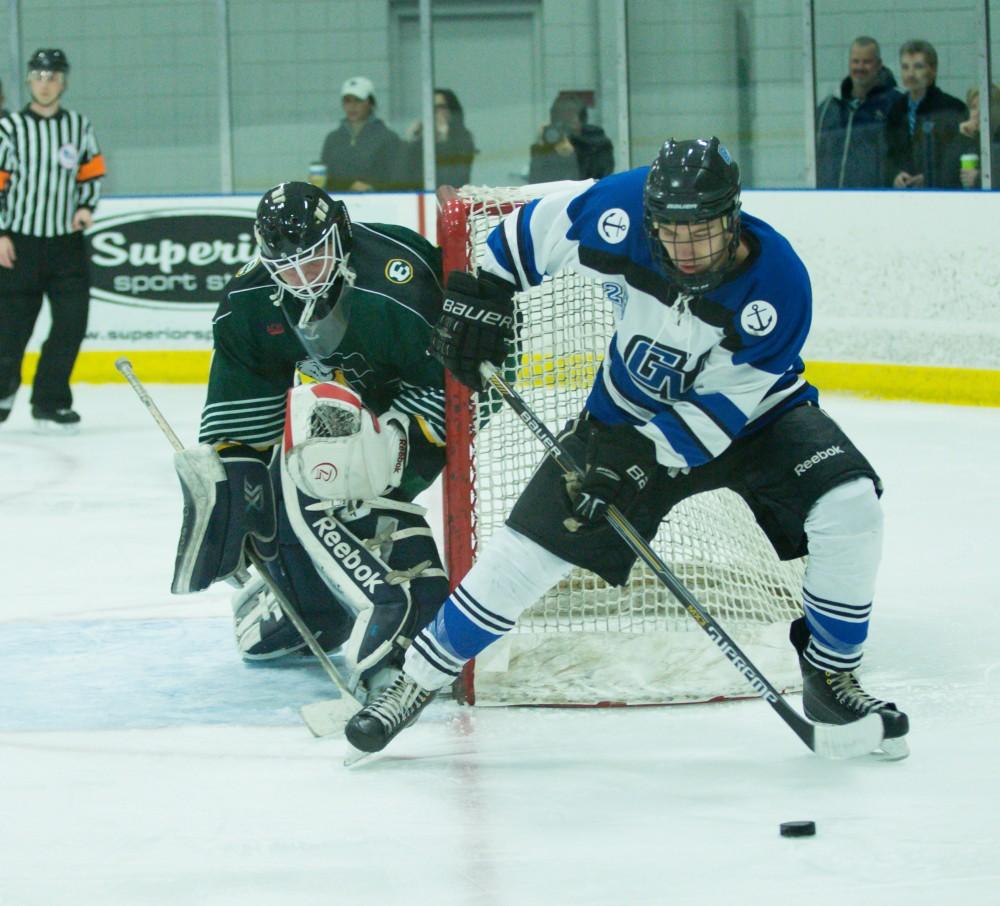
(56, 268)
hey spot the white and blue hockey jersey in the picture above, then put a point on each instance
(691, 373)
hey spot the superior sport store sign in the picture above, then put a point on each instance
(168, 256)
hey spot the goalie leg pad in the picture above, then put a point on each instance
(380, 561)
(228, 502)
(263, 632)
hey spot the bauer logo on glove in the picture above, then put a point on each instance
(337, 449)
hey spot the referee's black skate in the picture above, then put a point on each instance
(64, 421)
(837, 698)
(381, 720)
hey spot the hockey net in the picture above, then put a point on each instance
(587, 643)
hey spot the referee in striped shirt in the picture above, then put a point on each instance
(50, 173)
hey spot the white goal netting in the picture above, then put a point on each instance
(586, 642)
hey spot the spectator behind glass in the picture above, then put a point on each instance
(454, 146)
(3, 110)
(924, 146)
(569, 147)
(971, 176)
(362, 154)
(851, 145)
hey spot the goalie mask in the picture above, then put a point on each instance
(305, 243)
(691, 205)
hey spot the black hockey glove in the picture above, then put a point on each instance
(228, 503)
(620, 463)
(476, 325)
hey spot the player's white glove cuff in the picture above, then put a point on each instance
(336, 449)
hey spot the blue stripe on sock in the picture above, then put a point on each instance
(842, 636)
(457, 634)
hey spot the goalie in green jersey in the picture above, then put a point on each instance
(324, 419)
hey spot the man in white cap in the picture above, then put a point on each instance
(362, 154)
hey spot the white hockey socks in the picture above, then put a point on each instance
(844, 530)
(511, 574)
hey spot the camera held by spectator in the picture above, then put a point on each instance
(555, 133)
(568, 146)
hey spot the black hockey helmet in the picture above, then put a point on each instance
(694, 181)
(48, 60)
(305, 241)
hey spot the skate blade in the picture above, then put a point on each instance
(44, 426)
(895, 749)
(355, 757)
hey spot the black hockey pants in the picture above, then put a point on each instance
(57, 268)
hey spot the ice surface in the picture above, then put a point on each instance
(142, 763)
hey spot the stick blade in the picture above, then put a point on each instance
(329, 717)
(860, 737)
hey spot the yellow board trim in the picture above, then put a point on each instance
(918, 383)
(168, 366)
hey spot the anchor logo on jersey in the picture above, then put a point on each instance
(661, 369)
(758, 318)
(613, 225)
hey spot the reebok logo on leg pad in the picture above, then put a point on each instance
(351, 559)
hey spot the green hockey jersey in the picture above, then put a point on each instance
(393, 305)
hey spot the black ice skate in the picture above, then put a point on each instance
(377, 723)
(837, 698)
(64, 421)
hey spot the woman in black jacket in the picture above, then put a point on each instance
(454, 146)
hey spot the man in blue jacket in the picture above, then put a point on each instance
(851, 144)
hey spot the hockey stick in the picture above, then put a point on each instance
(860, 737)
(323, 718)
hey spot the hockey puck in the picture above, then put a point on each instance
(798, 828)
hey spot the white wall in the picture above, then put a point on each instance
(897, 278)
(902, 278)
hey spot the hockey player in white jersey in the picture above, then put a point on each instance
(701, 388)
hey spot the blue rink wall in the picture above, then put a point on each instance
(906, 301)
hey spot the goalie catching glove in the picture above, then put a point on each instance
(620, 463)
(228, 502)
(476, 325)
(337, 449)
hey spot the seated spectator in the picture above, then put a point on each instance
(569, 147)
(851, 148)
(971, 176)
(3, 110)
(362, 154)
(454, 146)
(924, 146)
